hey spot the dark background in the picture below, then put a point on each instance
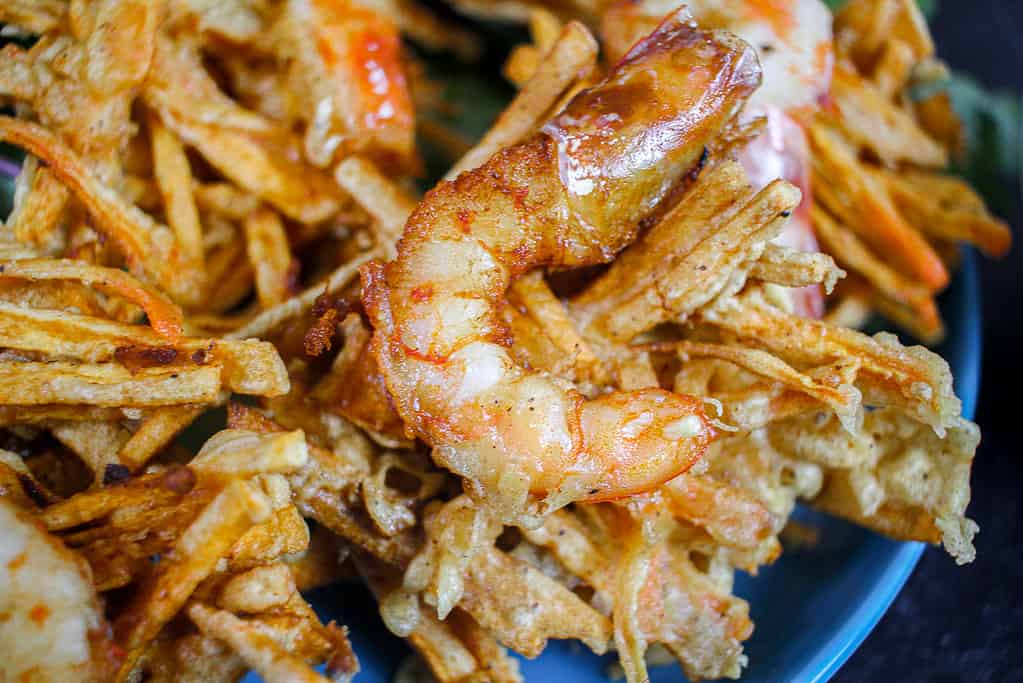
(966, 623)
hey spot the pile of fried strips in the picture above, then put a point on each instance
(551, 399)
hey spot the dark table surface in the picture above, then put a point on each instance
(966, 623)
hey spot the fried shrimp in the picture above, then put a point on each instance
(793, 40)
(52, 627)
(572, 195)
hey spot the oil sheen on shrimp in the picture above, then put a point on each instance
(52, 627)
(573, 195)
(793, 41)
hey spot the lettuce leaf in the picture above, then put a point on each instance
(992, 122)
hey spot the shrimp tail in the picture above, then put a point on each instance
(572, 195)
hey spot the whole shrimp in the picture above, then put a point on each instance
(347, 61)
(52, 627)
(572, 195)
(793, 40)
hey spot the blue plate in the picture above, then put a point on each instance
(812, 608)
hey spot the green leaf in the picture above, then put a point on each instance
(928, 7)
(992, 122)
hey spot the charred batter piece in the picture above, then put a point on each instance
(572, 196)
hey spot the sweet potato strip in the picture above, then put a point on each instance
(34, 16)
(731, 516)
(90, 506)
(531, 607)
(96, 443)
(150, 248)
(245, 454)
(12, 415)
(283, 533)
(875, 22)
(234, 20)
(173, 175)
(868, 25)
(688, 258)
(261, 652)
(637, 578)
(894, 68)
(843, 400)
(323, 490)
(792, 268)
(947, 208)
(250, 150)
(164, 316)
(388, 204)
(693, 602)
(246, 366)
(16, 77)
(913, 378)
(910, 27)
(542, 608)
(574, 52)
(523, 61)
(923, 326)
(269, 319)
(156, 431)
(455, 649)
(855, 255)
(104, 384)
(39, 203)
(635, 570)
(875, 123)
(845, 187)
(270, 255)
(225, 199)
(499, 665)
(257, 169)
(193, 558)
(532, 293)
(521, 64)
(63, 295)
(230, 275)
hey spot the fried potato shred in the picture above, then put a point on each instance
(565, 394)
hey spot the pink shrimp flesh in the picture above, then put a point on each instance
(572, 195)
